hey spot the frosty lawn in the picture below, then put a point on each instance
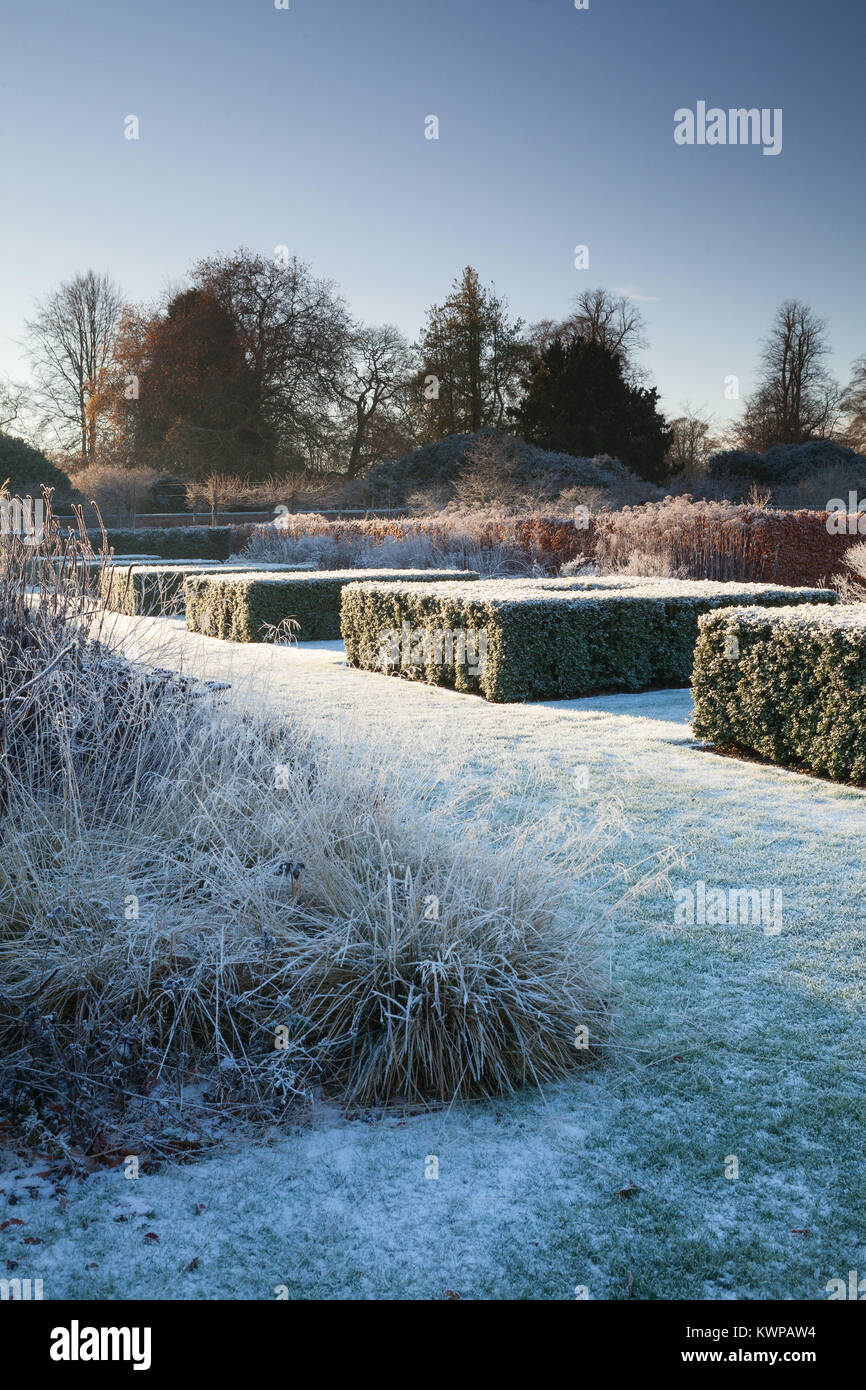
(733, 1043)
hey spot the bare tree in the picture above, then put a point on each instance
(853, 403)
(216, 492)
(599, 316)
(379, 367)
(693, 441)
(11, 401)
(796, 398)
(71, 343)
(294, 331)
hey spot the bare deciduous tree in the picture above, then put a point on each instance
(71, 344)
(294, 331)
(796, 398)
(11, 400)
(853, 403)
(379, 366)
(693, 441)
(599, 316)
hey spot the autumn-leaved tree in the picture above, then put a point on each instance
(196, 407)
(294, 334)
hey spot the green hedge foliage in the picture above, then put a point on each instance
(151, 589)
(138, 588)
(542, 639)
(242, 607)
(169, 542)
(787, 685)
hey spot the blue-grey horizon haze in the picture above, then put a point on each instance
(305, 127)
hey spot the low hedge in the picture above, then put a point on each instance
(134, 589)
(541, 638)
(169, 542)
(787, 685)
(152, 589)
(241, 607)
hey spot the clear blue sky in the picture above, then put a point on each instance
(305, 127)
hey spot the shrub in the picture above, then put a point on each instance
(246, 607)
(734, 463)
(451, 470)
(491, 542)
(122, 786)
(788, 463)
(789, 685)
(169, 542)
(720, 540)
(537, 639)
(28, 470)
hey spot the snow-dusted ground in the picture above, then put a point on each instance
(734, 1044)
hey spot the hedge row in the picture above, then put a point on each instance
(788, 685)
(514, 640)
(159, 588)
(242, 607)
(171, 542)
(146, 588)
(723, 542)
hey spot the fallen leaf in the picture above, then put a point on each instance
(629, 1189)
(449, 1293)
(152, 1236)
(92, 1265)
(193, 1264)
(11, 1221)
(803, 1231)
(32, 1240)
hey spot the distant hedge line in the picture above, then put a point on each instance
(242, 607)
(789, 685)
(516, 640)
(170, 542)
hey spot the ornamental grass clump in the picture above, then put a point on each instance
(209, 912)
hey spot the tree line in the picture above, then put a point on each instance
(257, 366)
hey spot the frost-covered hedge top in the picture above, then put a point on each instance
(218, 568)
(155, 565)
(805, 617)
(499, 592)
(185, 532)
(303, 576)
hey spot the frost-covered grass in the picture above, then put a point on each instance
(731, 1043)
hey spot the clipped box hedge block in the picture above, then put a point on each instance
(169, 542)
(539, 639)
(789, 685)
(157, 589)
(153, 589)
(243, 607)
